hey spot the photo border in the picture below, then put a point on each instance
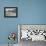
(11, 16)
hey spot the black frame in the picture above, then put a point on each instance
(11, 7)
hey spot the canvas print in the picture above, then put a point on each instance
(10, 11)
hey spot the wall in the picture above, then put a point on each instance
(7, 25)
(29, 12)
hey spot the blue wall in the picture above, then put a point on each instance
(29, 12)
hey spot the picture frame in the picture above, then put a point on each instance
(10, 12)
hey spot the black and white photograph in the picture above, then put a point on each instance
(10, 11)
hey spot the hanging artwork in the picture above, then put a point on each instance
(10, 12)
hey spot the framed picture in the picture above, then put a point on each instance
(10, 11)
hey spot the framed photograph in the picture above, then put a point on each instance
(10, 11)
